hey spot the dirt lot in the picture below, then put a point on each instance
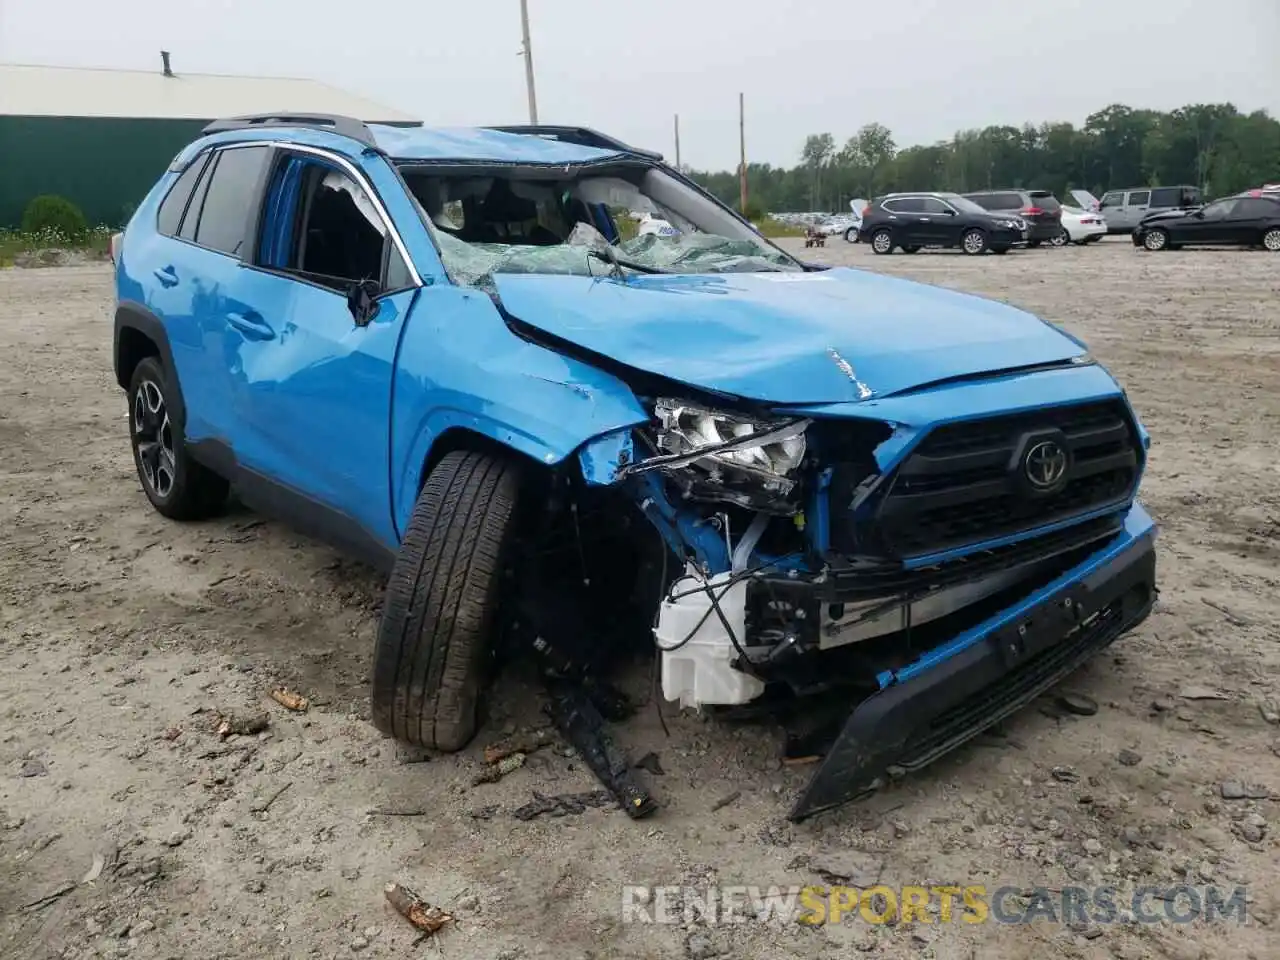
(122, 634)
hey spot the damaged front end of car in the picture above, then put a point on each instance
(890, 578)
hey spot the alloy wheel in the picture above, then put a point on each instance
(1062, 239)
(153, 436)
(1155, 240)
(974, 242)
(882, 242)
(1271, 240)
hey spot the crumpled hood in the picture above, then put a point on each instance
(788, 338)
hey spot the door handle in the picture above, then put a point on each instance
(167, 276)
(251, 325)
(924, 219)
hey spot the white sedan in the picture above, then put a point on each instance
(1080, 226)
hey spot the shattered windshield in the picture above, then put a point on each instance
(617, 220)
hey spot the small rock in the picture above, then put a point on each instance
(1129, 758)
(141, 927)
(1133, 837)
(32, 767)
(1093, 847)
(136, 752)
(1064, 775)
(1077, 703)
(699, 946)
(358, 944)
(1163, 705)
(176, 839)
(1236, 790)
(1270, 711)
(406, 753)
(1251, 832)
(120, 929)
(847, 866)
(255, 886)
(1197, 692)
(469, 902)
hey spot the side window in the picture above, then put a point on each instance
(1114, 199)
(192, 219)
(986, 201)
(1009, 201)
(225, 213)
(1139, 198)
(174, 204)
(1220, 210)
(336, 237)
(905, 205)
(1165, 197)
(1256, 208)
(934, 205)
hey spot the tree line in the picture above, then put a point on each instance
(1212, 146)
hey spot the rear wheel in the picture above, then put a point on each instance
(882, 241)
(1062, 239)
(1271, 240)
(1155, 240)
(435, 640)
(177, 486)
(851, 235)
(974, 242)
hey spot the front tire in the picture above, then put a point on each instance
(177, 486)
(1271, 240)
(882, 242)
(974, 242)
(1155, 240)
(435, 640)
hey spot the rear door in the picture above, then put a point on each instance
(904, 215)
(1246, 222)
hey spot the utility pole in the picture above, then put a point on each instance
(677, 141)
(742, 148)
(527, 52)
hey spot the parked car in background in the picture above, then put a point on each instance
(856, 208)
(1080, 227)
(1039, 208)
(911, 221)
(1243, 221)
(1124, 209)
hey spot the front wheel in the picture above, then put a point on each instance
(1155, 240)
(177, 486)
(1271, 240)
(435, 640)
(974, 242)
(882, 242)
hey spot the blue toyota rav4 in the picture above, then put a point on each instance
(451, 353)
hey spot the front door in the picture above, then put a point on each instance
(938, 224)
(1136, 205)
(1211, 224)
(311, 376)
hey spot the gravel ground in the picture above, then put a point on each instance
(123, 636)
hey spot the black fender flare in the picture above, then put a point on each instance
(131, 315)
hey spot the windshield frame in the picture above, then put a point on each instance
(561, 171)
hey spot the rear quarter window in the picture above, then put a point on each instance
(1165, 197)
(174, 204)
(985, 200)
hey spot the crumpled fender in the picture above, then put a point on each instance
(521, 395)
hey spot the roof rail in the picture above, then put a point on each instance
(343, 126)
(583, 136)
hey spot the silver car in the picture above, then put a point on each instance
(1124, 209)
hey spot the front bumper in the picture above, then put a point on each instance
(962, 687)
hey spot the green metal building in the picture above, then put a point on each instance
(100, 138)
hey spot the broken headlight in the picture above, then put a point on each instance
(717, 455)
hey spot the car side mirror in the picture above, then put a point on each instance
(952, 213)
(1199, 214)
(362, 301)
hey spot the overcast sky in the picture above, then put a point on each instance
(925, 68)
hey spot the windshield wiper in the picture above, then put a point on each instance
(610, 256)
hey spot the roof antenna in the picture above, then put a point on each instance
(164, 56)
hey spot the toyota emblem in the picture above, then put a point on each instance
(1045, 465)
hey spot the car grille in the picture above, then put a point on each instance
(964, 484)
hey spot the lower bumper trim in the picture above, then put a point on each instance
(908, 725)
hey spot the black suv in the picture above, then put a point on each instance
(1039, 208)
(915, 220)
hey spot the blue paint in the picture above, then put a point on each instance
(1138, 526)
(819, 525)
(601, 458)
(684, 531)
(770, 339)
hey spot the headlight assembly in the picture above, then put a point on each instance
(718, 455)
